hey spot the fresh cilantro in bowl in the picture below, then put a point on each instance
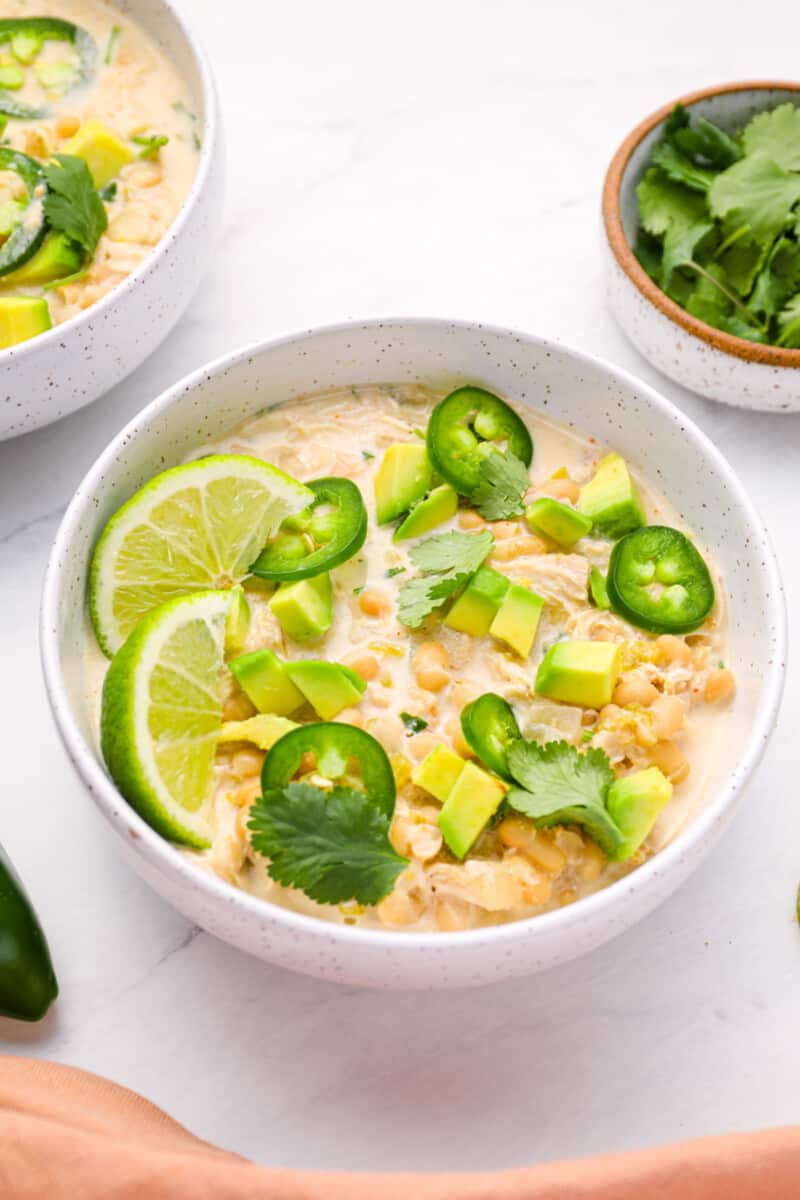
(720, 223)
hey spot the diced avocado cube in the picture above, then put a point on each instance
(582, 673)
(634, 803)
(305, 608)
(556, 521)
(264, 680)
(472, 803)
(479, 603)
(435, 509)
(438, 772)
(262, 731)
(517, 619)
(237, 625)
(403, 478)
(610, 499)
(102, 150)
(11, 78)
(328, 687)
(22, 317)
(56, 258)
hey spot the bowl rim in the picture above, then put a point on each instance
(728, 343)
(208, 151)
(163, 857)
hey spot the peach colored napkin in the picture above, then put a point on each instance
(67, 1135)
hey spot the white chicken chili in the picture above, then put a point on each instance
(521, 648)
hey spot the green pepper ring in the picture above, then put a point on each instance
(459, 465)
(44, 29)
(332, 744)
(490, 727)
(661, 555)
(346, 542)
(28, 234)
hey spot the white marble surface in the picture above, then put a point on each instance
(440, 157)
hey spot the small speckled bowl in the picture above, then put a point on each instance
(694, 354)
(60, 371)
(597, 399)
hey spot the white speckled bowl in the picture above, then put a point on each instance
(694, 354)
(73, 364)
(597, 399)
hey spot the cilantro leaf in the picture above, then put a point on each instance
(741, 260)
(648, 251)
(777, 280)
(776, 135)
(333, 845)
(504, 481)
(562, 786)
(151, 146)
(757, 192)
(702, 140)
(72, 205)
(447, 560)
(670, 210)
(789, 324)
(452, 551)
(413, 724)
(708, 302)
(681, 169)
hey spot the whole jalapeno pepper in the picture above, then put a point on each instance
(326, 534)
(464, 427)
(28, 984)
(29, 231)
(332, 745)
(26, 36)
(490, 728)
(658, 581)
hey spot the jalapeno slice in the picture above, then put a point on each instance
(30, 34)
(658, 581)
(464, 427)
(332, 745)
(490, 728)
(29, 226)
(326, 534)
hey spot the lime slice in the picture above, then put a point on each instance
(191, 528)
(162, 715)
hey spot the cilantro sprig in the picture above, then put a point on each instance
(504, 482)
(331, 844)
(72, 205)
(446, 561)
(151, 145)
(720, 222)
(560, 785)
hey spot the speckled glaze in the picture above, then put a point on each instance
(594, 397)
(694, 354)
(46, 378)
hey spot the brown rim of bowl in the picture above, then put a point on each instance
(773, 356)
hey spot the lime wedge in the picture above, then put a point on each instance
(191, 528)
(162, 715)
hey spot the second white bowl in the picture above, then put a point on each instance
(594, 397)
(71, 365)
